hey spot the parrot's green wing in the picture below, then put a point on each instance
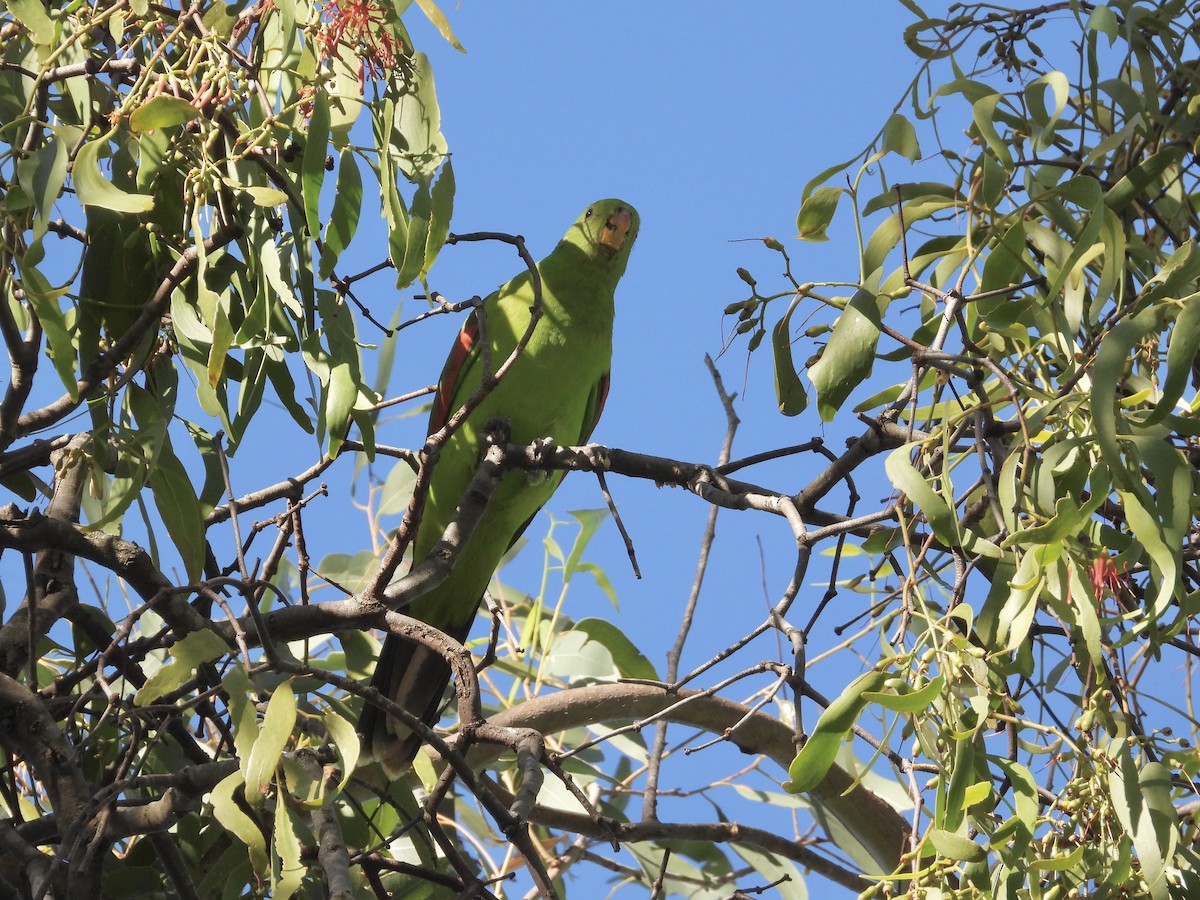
(556, 388)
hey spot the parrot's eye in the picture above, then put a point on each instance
(588, 214)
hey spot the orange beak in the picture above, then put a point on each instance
(616, 229)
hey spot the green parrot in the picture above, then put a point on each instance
(556, 389)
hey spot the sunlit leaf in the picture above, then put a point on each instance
(820, 750)
(186, 655)
(94, 189)
(900, 137)
(163, 111)
(272, 737)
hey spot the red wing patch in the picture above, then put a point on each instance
(462, 351)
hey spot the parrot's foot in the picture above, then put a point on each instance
(539, 451)
(497, 430)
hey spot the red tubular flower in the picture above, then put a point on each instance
(359, 26)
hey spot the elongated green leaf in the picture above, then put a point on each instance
(242, 716)
(175, 499)
(32, 14)
(288, 875)
(629, 660)
(187, 654)
(951, 796)
(410, 265)
(440, 213)
(345, 740)
(93, 189)
(907, 699)
(816, 212)
(900, 137)
(343, 220)
(789, 390)
(59, 338)
(229, 813)
(1134, 184)
(1132, 809)
(849, 356)
(439, 21)
(42, 175)
(1182, 351)
(589, 521)
(984, 111)
(312, 166)
(1007, 264)
(955, 846)
(163, 111)
(1108, 372)
(1046, 121)
(819, 751)
(277, 724)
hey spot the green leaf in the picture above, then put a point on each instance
(819, 751)
(1182, 350)
(440, 213)
(343, 220)
(816, 212)
(849, 356)
(1143, 818)
(937, 511)
(260, 194)
(955, 846)
(277, 724)
(187, 655)
(789, 390)
(1007, 264)
(42, 174)
(312, 166)
(32, 14)
(60, 342)
(242, 716)
(439, 21)
(630, 661)
(229, 813)
(589, 521)
(1136, 182)
(416, 236)
(345, 740)
(1104, 21)
(93, 189)
(984, 111)
(176, 502)
(906, 699)
(900, 137)
(417, 123)
(163, 111)
(1045, 122)
(288, 876)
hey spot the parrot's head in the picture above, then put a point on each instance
(605, 232)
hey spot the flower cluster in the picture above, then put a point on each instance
(360, 27)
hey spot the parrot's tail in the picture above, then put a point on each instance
(414, 677)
